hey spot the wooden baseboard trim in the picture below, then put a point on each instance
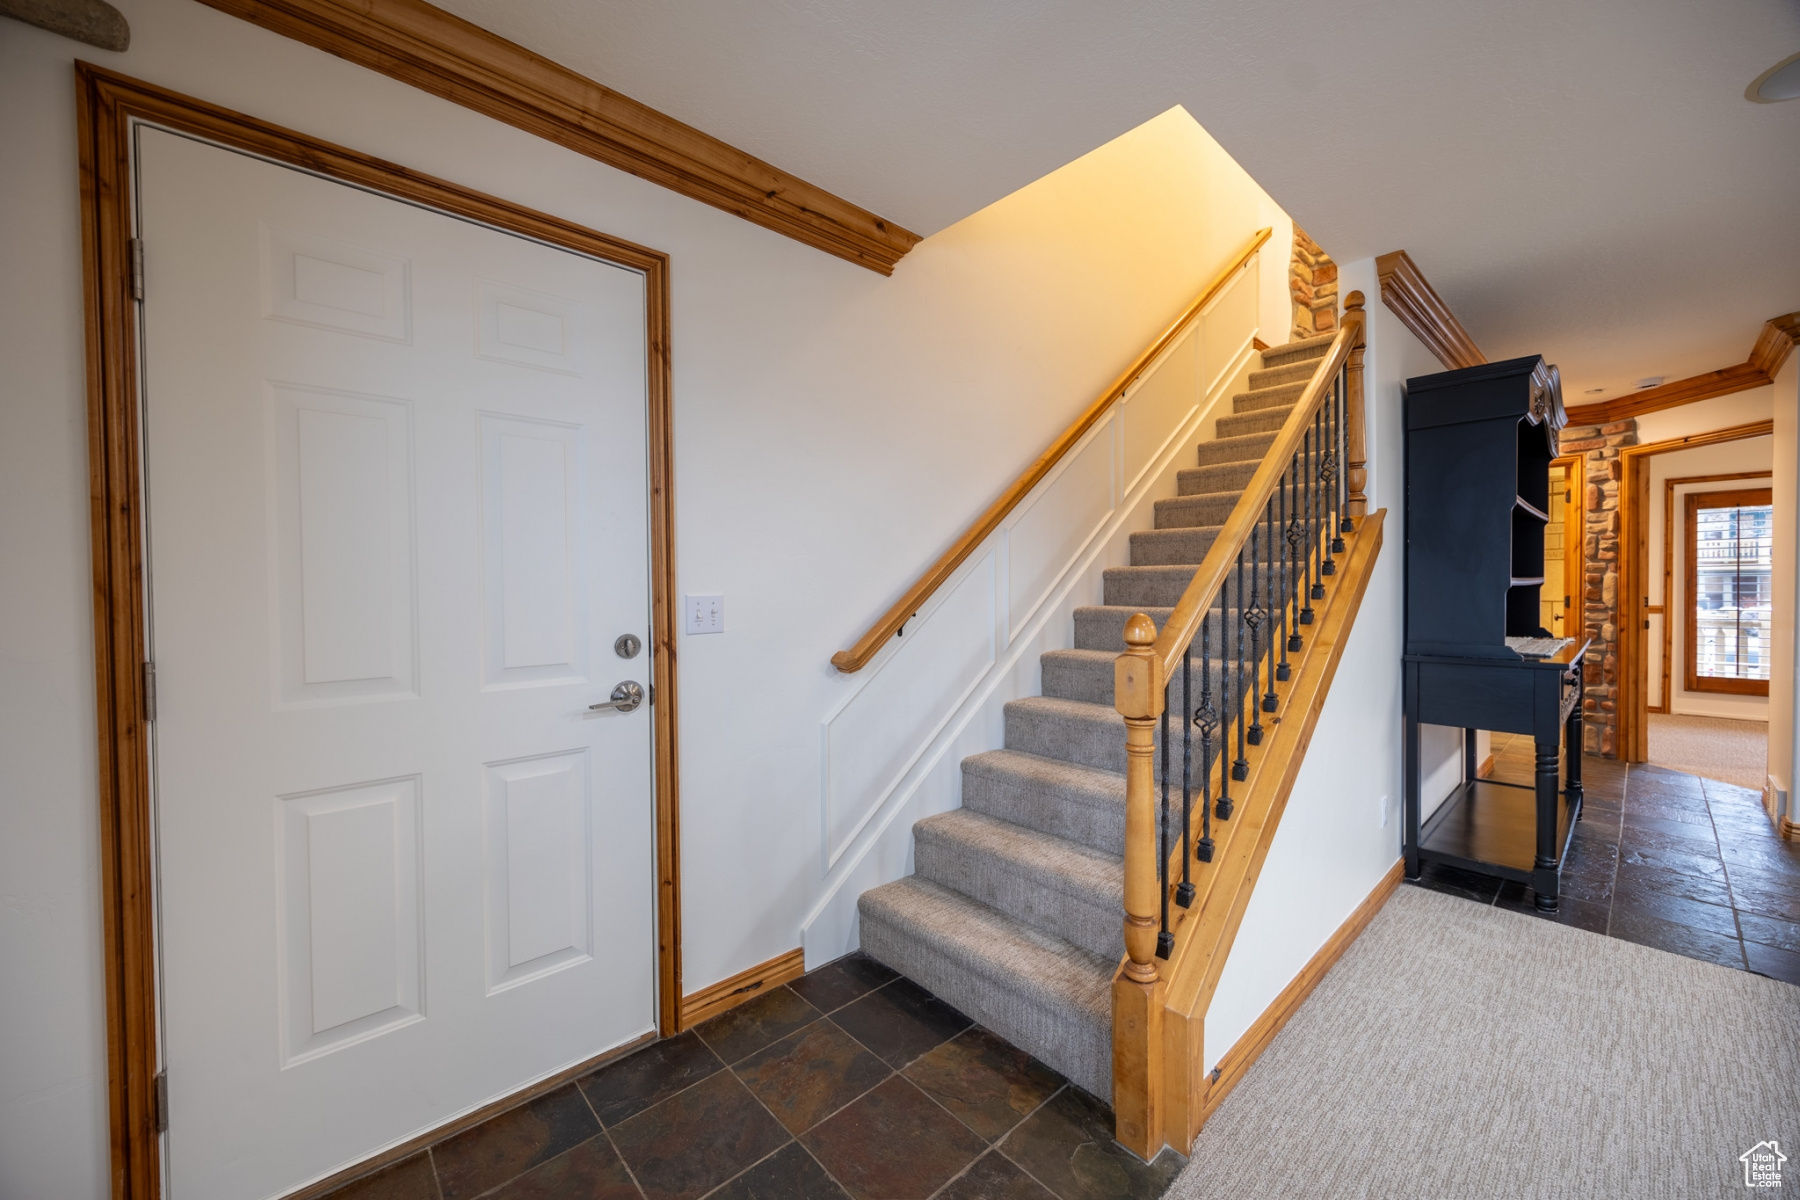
(1486, 768)
(709, 1002)
(1239, 1059)
(468, 1120)
(1789, 830)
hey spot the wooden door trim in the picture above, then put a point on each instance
(1662, 610)
(107, 105)
(440, 53)
(1690, 621)
(1634, 492)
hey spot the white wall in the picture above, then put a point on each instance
(1722, 458)
(834, 431)
(1341, 830)
(1784, 710)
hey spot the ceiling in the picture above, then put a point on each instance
(1586, 180)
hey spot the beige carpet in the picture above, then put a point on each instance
(1712, 748)
(1463, 1052)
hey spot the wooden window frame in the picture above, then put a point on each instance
(1693, 681)
(108, 105)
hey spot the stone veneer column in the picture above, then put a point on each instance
(1312, 280)
(1604, 472)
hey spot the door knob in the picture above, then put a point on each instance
(625, 697)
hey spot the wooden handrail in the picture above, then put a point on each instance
(1184, 622)
(905, 608)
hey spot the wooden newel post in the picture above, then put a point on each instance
(1138, 988)
(1357, 453)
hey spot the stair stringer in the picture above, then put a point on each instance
(931, 781)
(1205, 932)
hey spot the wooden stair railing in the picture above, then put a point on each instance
(1258, 631)
(905, 608)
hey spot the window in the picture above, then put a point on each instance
(1729, 542)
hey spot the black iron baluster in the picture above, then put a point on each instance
(1284, 631)
(1165, 941)
(1240, 769)
(1315, 534)
(1341, 494)
(1184, 894)
(1294, 534)
(1271, 583)
(1327, 471)
(1207, 718)
(1253, 619)
(1227, 631)
(1308, 535)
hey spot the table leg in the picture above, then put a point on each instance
(1545, 873)
(1410, 801)
(1572, 735)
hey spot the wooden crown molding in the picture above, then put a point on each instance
(424, 46)
(1774, 342)
(1405, 290)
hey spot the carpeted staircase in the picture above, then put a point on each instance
(1014, 911)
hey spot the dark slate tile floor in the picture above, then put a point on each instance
(1684, 864)
(849, 1082)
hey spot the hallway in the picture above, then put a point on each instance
(1664, 859)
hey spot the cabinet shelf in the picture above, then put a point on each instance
(1526, 581)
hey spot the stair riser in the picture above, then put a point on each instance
(1249, 448)
(1088, 816)
(1155, 586)
(1226, 477)
(1269, 420)
(1099, 628)
(1092, 922)
(1194, 512)
(1294, 372)
(1070, 1041)
(1092, 683)
(1093, 739)
(1169, 547)
(1297, 352)
(1261, 401)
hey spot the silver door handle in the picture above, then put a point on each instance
(625, 697)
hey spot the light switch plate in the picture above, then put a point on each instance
(705, 612)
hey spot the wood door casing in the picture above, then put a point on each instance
(1692, 680)
(108, 104)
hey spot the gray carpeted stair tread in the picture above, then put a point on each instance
(1050, 883)
(1249, 447)
(1164, 547)
(1267, 420)
(1159, 586)
(1298, 351)
(1041, 993)
(1082, 804)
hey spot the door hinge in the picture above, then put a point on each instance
(149, 691)
(137, 269)
(160, 1102)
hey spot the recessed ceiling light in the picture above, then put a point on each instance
(1651, 382)
(1780, 82)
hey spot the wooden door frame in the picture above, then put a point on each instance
(1662, 610)
(1574, 542)
(1633, 743)
(1690, 622)
(107, 106)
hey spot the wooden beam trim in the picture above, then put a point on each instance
(1739, 378)
(440, 53)
(1774, 342)
(709, 1002)
(1407, 293)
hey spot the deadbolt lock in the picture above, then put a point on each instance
(627, 646)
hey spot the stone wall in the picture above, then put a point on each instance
(1604, 472)
(1312, 278)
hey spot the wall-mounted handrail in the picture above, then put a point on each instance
(903, 610)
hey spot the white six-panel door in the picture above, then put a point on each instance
(396, 496)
